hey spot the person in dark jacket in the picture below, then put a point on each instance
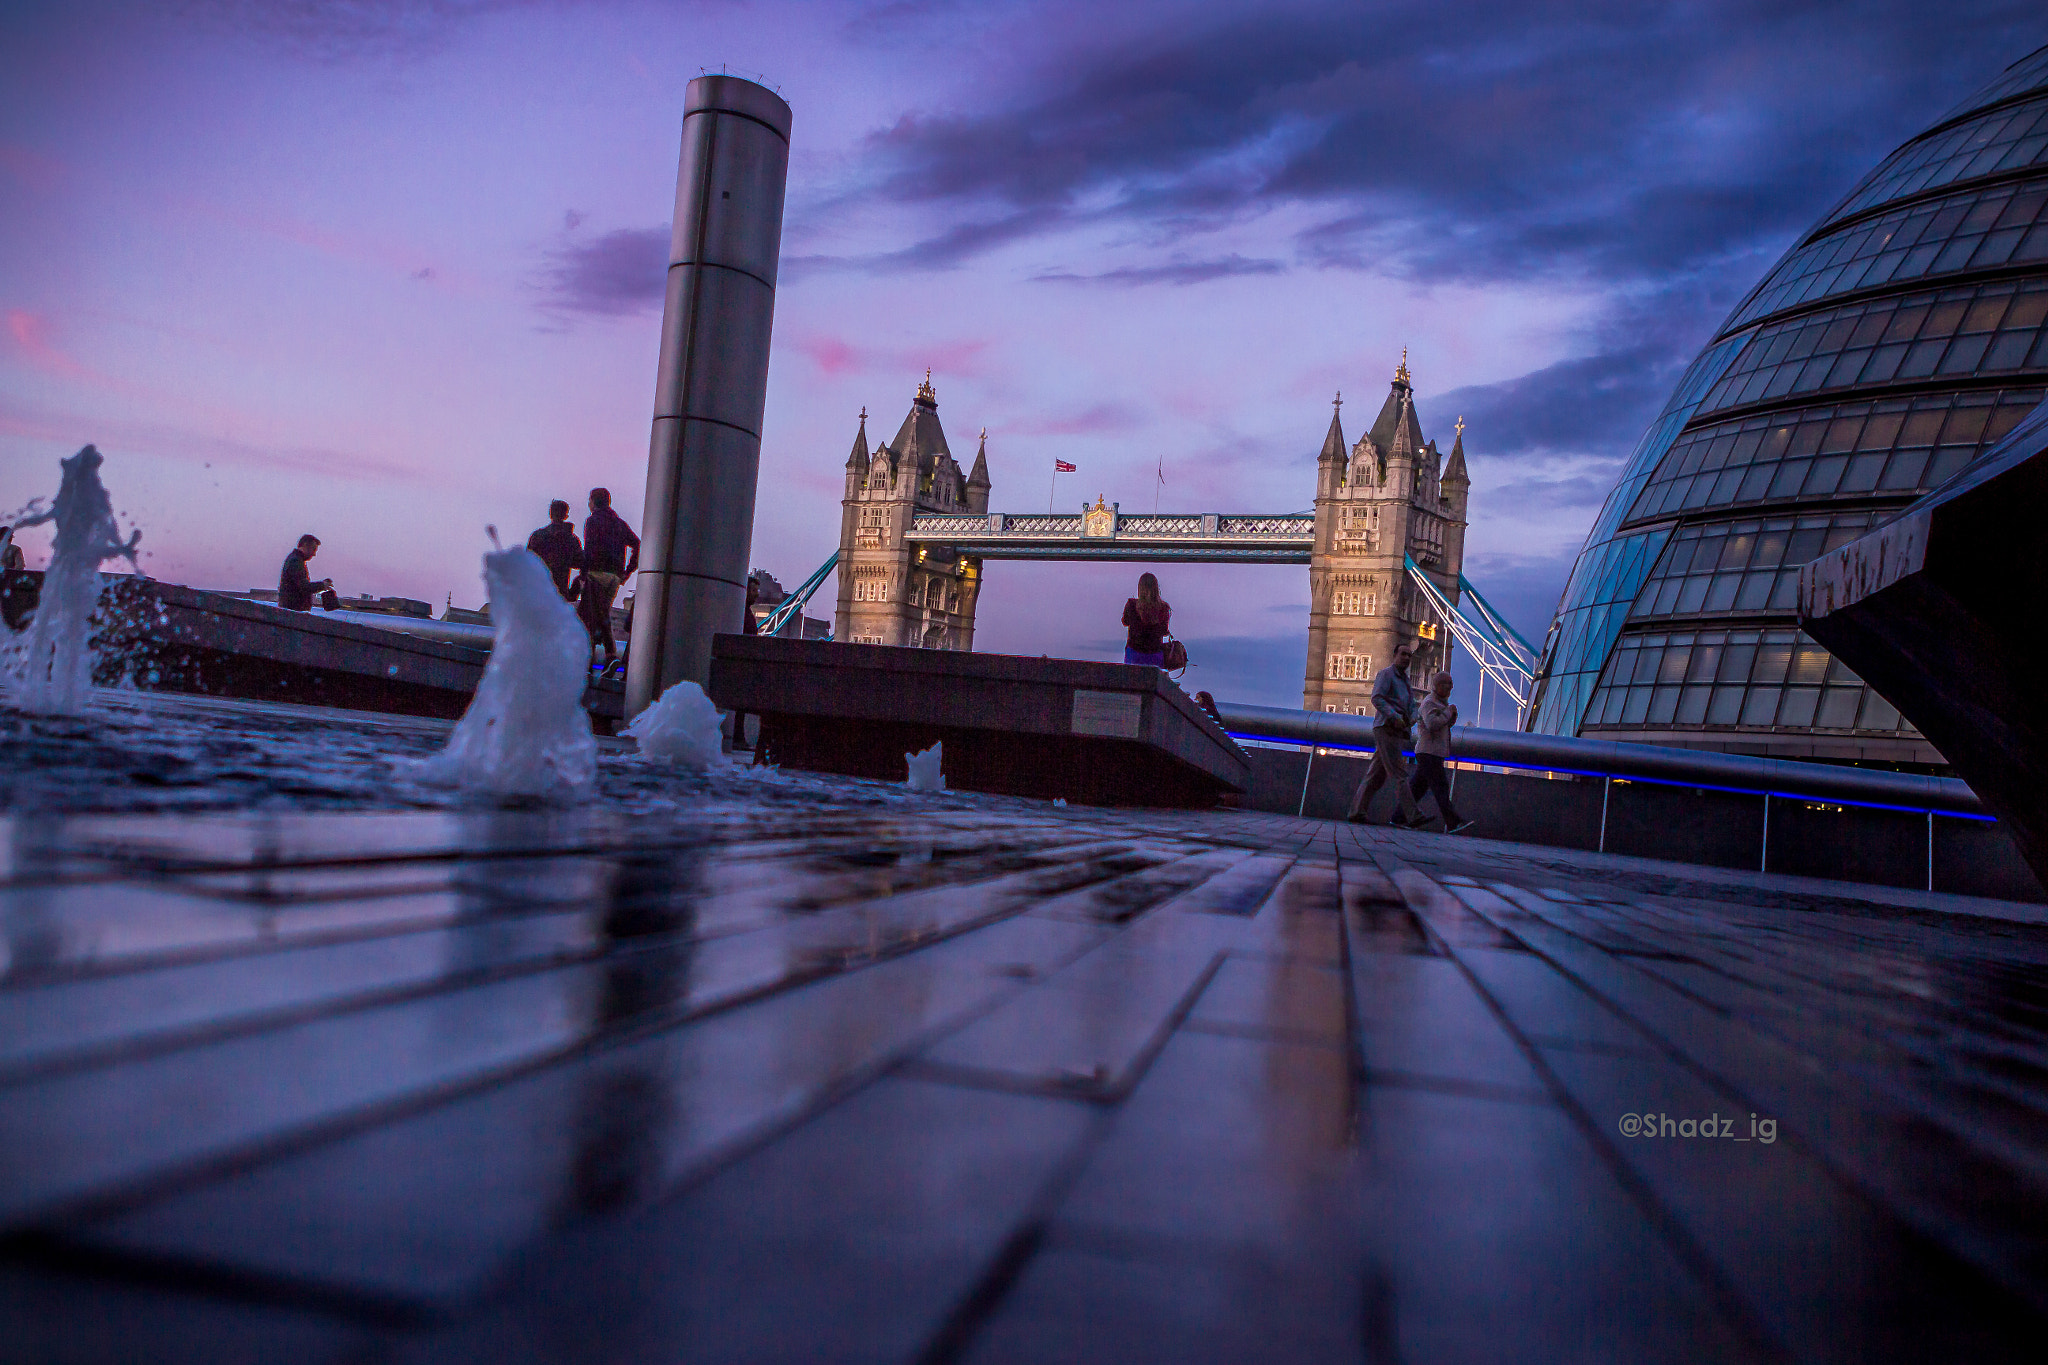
(558, 548)
(295, 585)
(1146, 618)
(610, 554)
(1393, 726)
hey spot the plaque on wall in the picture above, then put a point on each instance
(1114, 715)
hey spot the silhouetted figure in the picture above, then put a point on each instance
(610, 554)
(1393, 701)
(1146, 618)
(1433, 749)
(12, 560)
(558, 548)
(295, 585)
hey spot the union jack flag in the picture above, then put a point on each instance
(1062, 467)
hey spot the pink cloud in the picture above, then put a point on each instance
(1102, 418)
(946, 359)
(30, 333)
(392, 257)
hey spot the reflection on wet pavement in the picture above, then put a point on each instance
(765, 1071)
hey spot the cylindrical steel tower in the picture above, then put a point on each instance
(712, 384)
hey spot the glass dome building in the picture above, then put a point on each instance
(1896, 341)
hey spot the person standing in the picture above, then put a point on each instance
(295, 585)
(610, 554)
(557, 547)
(1146, 618)
(1393, 703)
(1433, 749)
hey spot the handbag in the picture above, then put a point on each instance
(1176, 655)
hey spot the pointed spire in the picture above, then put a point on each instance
(858, 460)
(1333, 441)
(925, 393)
(1401, 373)
(979, 478)
(1454, 472)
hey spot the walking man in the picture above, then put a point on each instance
(557, 547)
(295, 586)
(1393, 703)
(610, 554)
(1433, 748)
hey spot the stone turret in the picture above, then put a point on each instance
(1373, 511)
(857, 462)
(1330, 463)
(1456, 497)
(893, 591)
(977, 482)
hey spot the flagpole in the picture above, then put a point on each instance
(1052, 492)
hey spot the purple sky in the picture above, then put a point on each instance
(391, 270)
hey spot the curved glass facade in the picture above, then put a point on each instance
(1893, 344)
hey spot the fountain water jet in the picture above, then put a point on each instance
(53, 671)
(525, 733)
(680, 728)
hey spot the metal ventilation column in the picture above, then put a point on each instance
(712, 386)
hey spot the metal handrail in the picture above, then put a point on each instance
(1606, 758)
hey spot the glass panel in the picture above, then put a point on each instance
(1726, 707)
(1692, 705)
(1772, 658)
(1838, 708)
(1798, 705)
(1762, 706)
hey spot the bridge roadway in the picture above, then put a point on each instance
(1195, 538)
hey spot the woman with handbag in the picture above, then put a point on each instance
(1146, 618)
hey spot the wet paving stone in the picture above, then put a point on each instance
(755, 1068)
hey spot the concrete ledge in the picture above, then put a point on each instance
(1103, 734)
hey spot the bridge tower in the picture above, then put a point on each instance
(890, 591)
(1390, 497)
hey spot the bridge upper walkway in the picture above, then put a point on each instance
(1200, 537)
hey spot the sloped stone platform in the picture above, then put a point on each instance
(1099, 734)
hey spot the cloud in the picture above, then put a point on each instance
(835, 355)
(613, 275)
(1100, 419)
(29, 335)
(1178, 272)
(1485, 140)
(337, 31)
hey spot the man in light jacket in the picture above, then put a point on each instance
(1393, 704)
(1433, 748)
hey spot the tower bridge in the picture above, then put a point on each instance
(1384, 545)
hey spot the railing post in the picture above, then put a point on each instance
(1606, 789)
(1763, 862)
(1302, 809)
(1930, 850)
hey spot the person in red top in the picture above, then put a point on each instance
(1146, 618)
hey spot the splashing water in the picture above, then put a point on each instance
(52, 672)
(680, 728)
(924, 769)
(525, 733)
